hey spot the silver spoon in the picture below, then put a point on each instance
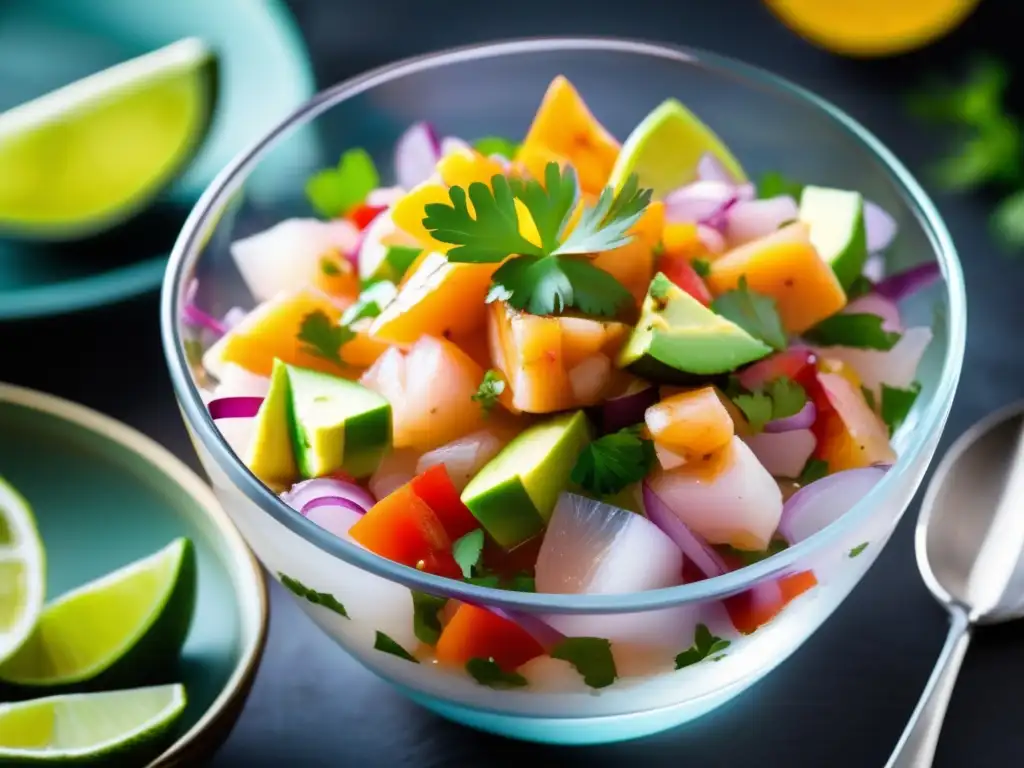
(969, 540)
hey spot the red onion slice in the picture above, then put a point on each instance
(334, 515)
(783, 454)
(803, 419)
(234, 407)
(693, 547)
(698, 201)
(901, 285)
(711, 239)
(710, 168)
(751, 219)
(197, 318)
(233, 317)
(300, 495)
(880, 227)
(416, 154)
(628, 409)
(331, 501)
(818, 505)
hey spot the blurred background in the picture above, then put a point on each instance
(938, 81)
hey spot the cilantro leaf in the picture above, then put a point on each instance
(553, 284)
(612, 462)
(704, 645)
(749, 557)
(496, 145)
(370, 302)
(467, 551)
(779, 399)
(329, 267)
(896, 404)
(858, 549)
(551, 205)
(869, 397)
(814, 469)
(522, 582)
(605, 226)
(322, 337)
(488, 673)
(592, 658)
(860, 330)
(756, 408)
(384, 643)
(701, 266)
(489, 391)
(860, 286)
(426, 624)
(773, 184)
(334, 192)
(326, 599)
(754, 313)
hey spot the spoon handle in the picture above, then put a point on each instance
(916, 748)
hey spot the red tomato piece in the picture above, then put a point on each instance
(756, 607)
(402, 528)
(436, 488)
(476, 633)
(796, 364)
(681, 272)
(363, 214)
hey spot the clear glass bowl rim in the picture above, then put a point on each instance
(188, 247)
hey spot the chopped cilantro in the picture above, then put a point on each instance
(754, 313)
(322, 337)
(896, 404)
(326, 599)
(780, 398)
(773, 184)
(193, 352)
(858, 549)
(704, 645)
(522, 582)
(660, 287)
(612, 462)
(749, 557)
(496, 145)
(701, 266)
(329, 267)
(592, 658)
(467, 551)
(370, 302)
(869, 396)
(488, 580)
(426, 624)
(387, 645)
(860, 330)
(489, 391)
(487, 672)
(334, 192)
(814, 469)
(605, 226)
(860, 286)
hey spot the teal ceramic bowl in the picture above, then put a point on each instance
(105, 495)
(494, 90)
(44, 44)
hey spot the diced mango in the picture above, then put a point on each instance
(336, 276)
(633, 263)
(681, 239)
(462, 168)
(565, 128)
(408, 213)
(691, 424)
(851, 435)
(785, 266)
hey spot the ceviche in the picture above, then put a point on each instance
(566, 365)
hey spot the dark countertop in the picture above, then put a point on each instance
(842, 700)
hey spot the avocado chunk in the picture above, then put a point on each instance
(678, 339)
(838, 233)
(336, 424)
(515, 493)
(270, 456)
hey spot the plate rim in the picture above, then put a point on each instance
(248, 579)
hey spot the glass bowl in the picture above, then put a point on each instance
(494, 90)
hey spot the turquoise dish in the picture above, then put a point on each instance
(105, 495)
(264, 75)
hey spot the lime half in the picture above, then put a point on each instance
(665, 148)
(22, 571)
(88, 155)
(125, 628)
(112, 727)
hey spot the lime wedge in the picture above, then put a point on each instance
(88, 155)
(22, 571)
(114, 727)
(125, 628)
(664, 149)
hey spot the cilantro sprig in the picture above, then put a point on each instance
(335, 191)
(467, 552)
(556, 274)
(592, 658)
(705, 645)
(386, 644)
(860, 330)
(896, 404)
(487, 672)
(322, 337)
(426, 623)
(778, 399)
(491, 388)
(613, 462)
(814, 469)
(755, 313)
(774, 183)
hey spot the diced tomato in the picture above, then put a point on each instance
(756, 607)
(796, 364)
(476, 633)
(681, 272)
(363, 214)
(402, 528)
(436, 488)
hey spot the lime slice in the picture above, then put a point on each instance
(86, 156)
(664, 149)
(127, 627)
(838, 232)
(22, 571)
(114, 727)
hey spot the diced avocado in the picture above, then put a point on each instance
(515, 493)
(336, 424)
(270, 455)
(836, 219)
(678, 339)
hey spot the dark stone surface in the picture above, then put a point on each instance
(843, 699)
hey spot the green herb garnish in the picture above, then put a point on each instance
(426, 624)
(387, 645)
(858, 549)
(592, 658)
(335, 191)
(488, 673)
(468, 550)
(814, 469)
(754, 313)
(869, 396)
(859, 330)
(773, 184)
(779, 399)
(496, 145)
(612, 462)
(322, 337)
(490, 389)
(370, 302)
(860, 286)
(896, 405)
(522, 582)
(704, 645)
(326, 599)
(701, 266)
(329, 267)
(749, 557)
